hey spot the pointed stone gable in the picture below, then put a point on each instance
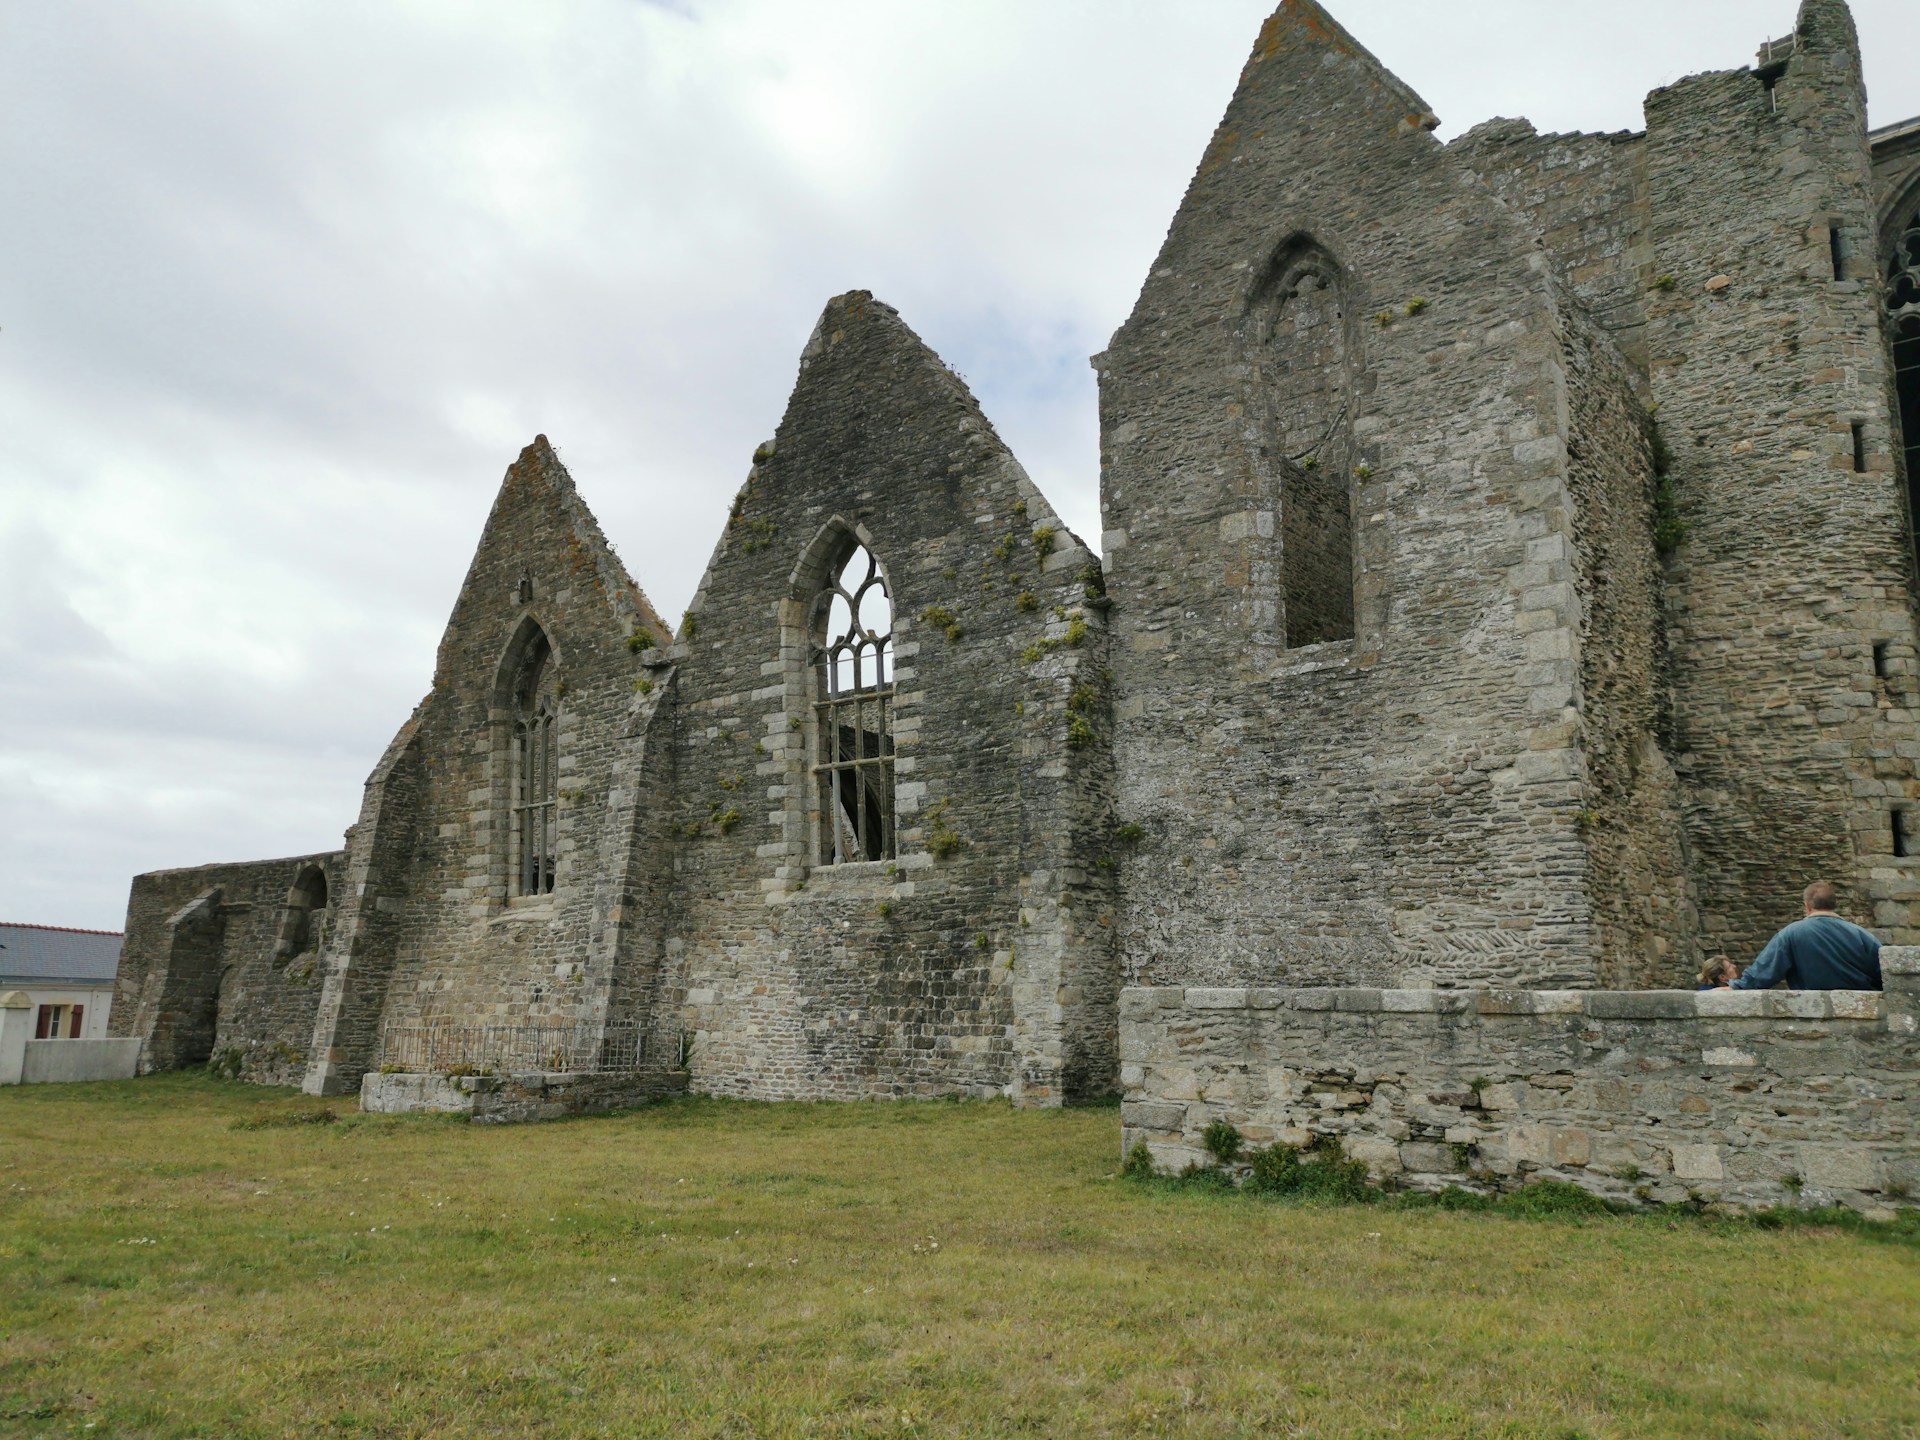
(1335, 435)
(449, 917)
(971, 954)
(540, 531)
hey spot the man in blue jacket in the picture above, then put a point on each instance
(1820, 952)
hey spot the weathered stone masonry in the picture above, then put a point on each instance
(1746, 1098)
(1507, 586)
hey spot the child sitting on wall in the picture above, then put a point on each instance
(1718, 971)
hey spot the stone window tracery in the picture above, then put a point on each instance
(852, 643)
(535, 782)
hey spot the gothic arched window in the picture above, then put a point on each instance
(852, 633)
(1302, 352)
(535, 779)
(1903, 319)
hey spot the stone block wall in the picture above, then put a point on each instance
(204, 971)
(1794, 668)
(1744, 1098)
(976, 958)
(440, 931)
(1405, 804)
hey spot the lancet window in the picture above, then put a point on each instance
(1301, 353)
(535, 782)
(852, 632)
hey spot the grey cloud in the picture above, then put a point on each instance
(283, 288)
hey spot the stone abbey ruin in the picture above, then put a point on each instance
(1506, 599)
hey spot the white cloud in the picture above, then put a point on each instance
(284, 288)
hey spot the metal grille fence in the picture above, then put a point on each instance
(513, 1049)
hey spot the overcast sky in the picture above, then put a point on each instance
(286, 284)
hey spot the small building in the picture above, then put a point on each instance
(67, 976)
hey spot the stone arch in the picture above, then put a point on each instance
(1300, 349)
(303, 919)
(525, 719)
(841, 593)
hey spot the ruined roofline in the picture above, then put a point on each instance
(1888, 137)
(339, 850)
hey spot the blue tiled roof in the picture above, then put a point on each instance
(43, 953)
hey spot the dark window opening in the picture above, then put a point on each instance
(1298, 342)
(853, 713)
(1859, 447)
(1837, 245)
(1880, 659)
(1902, 839)
(1903, 319)
(524, 591)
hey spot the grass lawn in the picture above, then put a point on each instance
(716, 1269)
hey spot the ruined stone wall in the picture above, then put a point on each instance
(201, 976)
(1405, 803)
(1749, 1098)
(1796, 744)
(448, 938)
(975, 959)
(1631, 814)
(1585, 196)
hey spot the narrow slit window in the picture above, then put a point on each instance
(1859, 447)
(1902, 837)
(1837, 246)
(853, 713)
(1880, 659)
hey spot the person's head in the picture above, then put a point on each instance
(1720, 970)
(1820, 898)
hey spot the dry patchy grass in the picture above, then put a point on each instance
(171, 1267)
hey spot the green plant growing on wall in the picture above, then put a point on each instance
(1669, 530)
(1004, 550)
(1131, 833)
(1417, 304)
(1033, 654)
(884, 909)
(1223, 1141)
(1083, 699)
(1666, 282)
(1079, 732)
(1043, 540)
(1077, 630)
(760, 534)
(689, 622)
(642, 684)
(943, 841)
(1383, 319)
(1026, 602)
(723, 820)
(941, 618)
(1364, 472)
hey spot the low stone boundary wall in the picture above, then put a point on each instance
(507, 1099)
(1746, 1098)
(58, 1062)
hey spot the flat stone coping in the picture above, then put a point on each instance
(1145, 1002)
